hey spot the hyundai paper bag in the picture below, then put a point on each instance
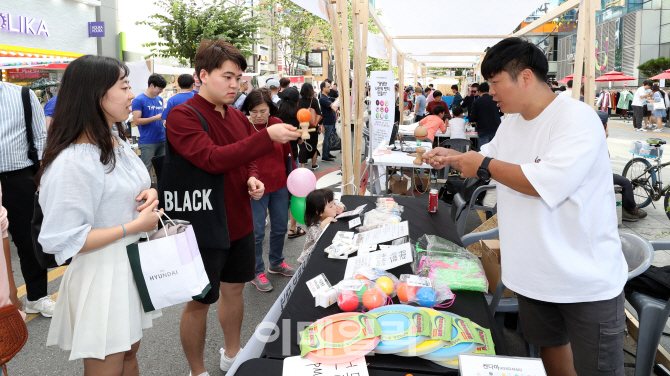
(168, 270)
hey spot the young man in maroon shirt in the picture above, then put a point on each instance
(228, 149)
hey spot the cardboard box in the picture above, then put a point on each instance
(398, 184)
(491, 264)
(491, 223)
(422, 183)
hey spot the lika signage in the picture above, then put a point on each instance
(23, 25)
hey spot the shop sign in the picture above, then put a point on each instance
(23, 25)
(96, 29)
(317, 71)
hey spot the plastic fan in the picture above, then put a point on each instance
(339, 332)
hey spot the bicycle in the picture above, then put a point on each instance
(646, 179)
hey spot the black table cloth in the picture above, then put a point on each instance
(299, 310)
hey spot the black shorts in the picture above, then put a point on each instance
(646, 111)
(236, 264)
(594, 330)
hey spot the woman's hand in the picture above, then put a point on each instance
(147, 220)
(150, 195)
(326, 221)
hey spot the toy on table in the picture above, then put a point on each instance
(421, 291)
(304, 117)
(420, 133)
(359, 294)
(401, 328)
(380, 279)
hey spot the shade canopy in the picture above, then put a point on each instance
(400, 20)
(568, 78)
(614, 76)
(663, 76)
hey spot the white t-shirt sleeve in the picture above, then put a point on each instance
(571, 153)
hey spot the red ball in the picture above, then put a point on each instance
(373, 298)
(348, 301)
(304, 115)
(406, 293)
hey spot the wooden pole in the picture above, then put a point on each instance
(389, 49)
(359, 18)
(582, 28)
(590, 58)
(345, 105)
(401, 86)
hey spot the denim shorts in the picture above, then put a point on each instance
(594, 330)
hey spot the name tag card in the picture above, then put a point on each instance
(476, 365)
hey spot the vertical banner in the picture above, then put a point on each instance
(382, 107)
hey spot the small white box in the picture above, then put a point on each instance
(326, 298)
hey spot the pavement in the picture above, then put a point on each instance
(161, 352)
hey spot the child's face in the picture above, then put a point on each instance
(329, 211)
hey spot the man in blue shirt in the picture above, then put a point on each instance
(329, 119)
(420, 106)
(49, 109)
(458, 98)
(185, 82)
(147, 112)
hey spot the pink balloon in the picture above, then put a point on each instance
(300, 182)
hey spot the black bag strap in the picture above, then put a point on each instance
(167, 143)
(28, 115)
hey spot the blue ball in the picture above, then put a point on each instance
(426, 297)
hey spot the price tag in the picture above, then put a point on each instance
(320, 282)
(355, 222)
(366, 248)
(354, 284)
(415, 280)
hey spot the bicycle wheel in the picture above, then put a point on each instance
(636, 170)
(666, 203)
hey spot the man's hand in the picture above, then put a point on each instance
(283, 133)
(157, 117)
(256, 188)
(438, 163)
(467, 163)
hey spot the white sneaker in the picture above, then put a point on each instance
(45, 306)
(658, 130)
(202, 374)
(267, 221)
(643, 130)
(637, 129)
(227, 362)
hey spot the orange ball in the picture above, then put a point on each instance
(373, 298)
(406, 293)
(303, 115)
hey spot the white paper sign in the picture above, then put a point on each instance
(318, 283)
(474, 365)
(352, 213)
(382, 107)
(382, 234)
(385, 259)
(366, 249)
(297, 366)
(355, 222)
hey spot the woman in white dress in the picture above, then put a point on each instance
(96, 198)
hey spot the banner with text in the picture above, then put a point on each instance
(382, 107)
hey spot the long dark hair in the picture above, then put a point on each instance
(79, 111)
(307, 91)
(288, 109)
(257, 97)
(315, 205)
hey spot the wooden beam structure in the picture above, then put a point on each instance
(360, 30)
(590, 55)
(450, 36)
(552, 14)
(582, 27)
(448, 54)
(401, 86)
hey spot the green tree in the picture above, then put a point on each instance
(186, 23)
(654, 66)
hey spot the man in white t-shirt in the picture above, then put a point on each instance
(568, 92)
(639, 99)
(560, 248)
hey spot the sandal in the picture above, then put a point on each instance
(292, 234)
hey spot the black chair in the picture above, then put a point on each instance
(459, 145)
(463, 203)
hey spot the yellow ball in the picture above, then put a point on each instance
(385, 284)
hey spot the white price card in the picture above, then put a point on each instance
(320, 282)
(475, 365)
(415, 280)
(382, 234)
(352, 213)
(384, 259)
(297, 366)
(355, 222)
(366, 248)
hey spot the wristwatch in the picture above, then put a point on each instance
(483, 171)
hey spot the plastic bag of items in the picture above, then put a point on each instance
(446, 263)
(360, 295)
(417, 290)
(381, 278)
(387, 212)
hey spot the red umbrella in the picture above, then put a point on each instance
(663, 76)
(568, 78)
(614, 76)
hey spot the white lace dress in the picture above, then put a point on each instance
(98, 310)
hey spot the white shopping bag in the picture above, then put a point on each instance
(168, 270)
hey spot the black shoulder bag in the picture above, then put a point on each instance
(192, 194)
